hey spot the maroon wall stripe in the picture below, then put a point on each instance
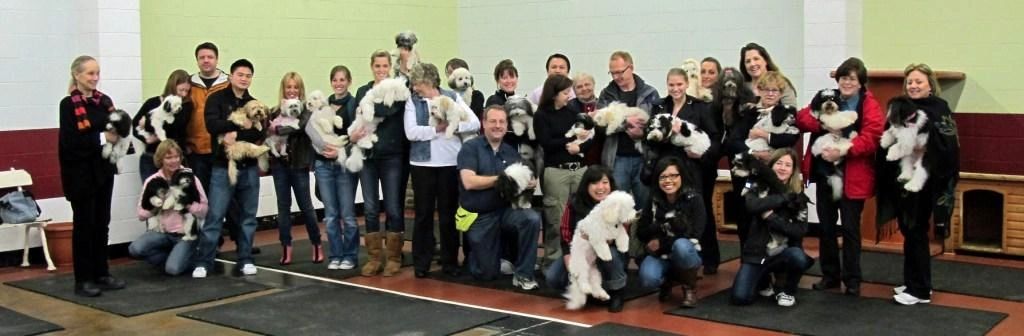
(35, 151)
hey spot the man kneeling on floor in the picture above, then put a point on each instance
(479, 162)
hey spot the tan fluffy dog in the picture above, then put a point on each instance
(255, 112)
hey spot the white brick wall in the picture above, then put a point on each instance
(832, 33)
(659, 35)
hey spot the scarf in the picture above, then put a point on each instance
(79, 102)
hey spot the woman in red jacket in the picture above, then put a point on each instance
(857, 171)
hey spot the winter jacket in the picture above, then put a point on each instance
(391, 141)
(859, 162)
(667, 222)
(199, 140)
(646, 98)
(786, 222)
(82, 167)
(218, 106)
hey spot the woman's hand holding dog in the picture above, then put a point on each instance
(762, 155)
(757, 133)
(830, 154)
(330, 151)
(653, 246)
(229, 138)
(572, 148)
(441, 126)
(356, 135)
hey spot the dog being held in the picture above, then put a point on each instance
(520, 116)
(613, 117)
(834, 121)
(254, 113)
(153, 197)
(584, 124)
(692, 69)
(776, 120)
(158, 117)
(604, 224)
(327, 125)
(513, 185)
(120, 123)
(444, 109)
(907, 130)
(287, 116)
(182, 194)
(386, 93)
(689, 137)
(731, 95)
(461, 80)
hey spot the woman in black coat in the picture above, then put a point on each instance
(87, 177)
(179, 84)
(778, 213)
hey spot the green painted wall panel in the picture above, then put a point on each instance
(979, 38)
(307, 36)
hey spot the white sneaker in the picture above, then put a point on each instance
(785, 300)
(347, 265)
(767, 292)
(523, 283)
(199, 272)
(901, 289)
(507, 268)
(334, 265)
(906, 299)
(249, 269)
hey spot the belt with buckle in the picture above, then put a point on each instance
(570, 165)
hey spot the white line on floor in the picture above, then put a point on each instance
(414, 296)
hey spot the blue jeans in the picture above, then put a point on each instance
(485, 236)
(792, 261)
(627, 178)
(146, 166)
(684, 256)
(338, 193)
(287, 180)
(613, 272)
(246, 193)
(162, 249)
(392, 177)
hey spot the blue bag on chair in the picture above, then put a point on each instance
(18, 207)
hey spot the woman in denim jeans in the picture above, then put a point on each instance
(163, 246)
(669, 228)
(594, 187)
(774, 242)
(291, 173)
(336, 184)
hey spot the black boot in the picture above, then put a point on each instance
(615, 301)
(689, 280)
(87, 289)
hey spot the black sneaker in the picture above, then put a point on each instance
(110, 283)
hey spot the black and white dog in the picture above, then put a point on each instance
(584, 123)
(513, 185)
(906, 131)
(833, 121)
(160, 116)
(689, 137)
(520, 116)
(181, 194)
(119, 122)
(779, 119)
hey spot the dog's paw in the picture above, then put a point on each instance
(893, 154)
(600, 294)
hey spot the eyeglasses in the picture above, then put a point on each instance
(620, 72)
(770, 91)
(668, 177)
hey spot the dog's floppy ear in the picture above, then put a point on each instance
(451, 81)
(167, 105)
(609, 214)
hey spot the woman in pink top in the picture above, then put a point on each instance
(162, 243)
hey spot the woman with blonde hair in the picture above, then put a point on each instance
(291, 174)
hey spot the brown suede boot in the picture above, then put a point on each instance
(394, 240)
(374, 253)
(689, 280)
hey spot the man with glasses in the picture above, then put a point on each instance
(622, 151)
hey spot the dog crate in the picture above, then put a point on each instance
(989, 214)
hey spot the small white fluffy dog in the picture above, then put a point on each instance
(692, 69)
(604, 224)
(461, 80)
(160, 116)
(613, 117)
(443, 108)
(324, 122)
(834, 121)
(288, 116)
(906, 131)
(387, 92)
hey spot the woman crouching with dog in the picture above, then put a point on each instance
(777, 227)
(595, 185)
(669, 230)
(162, 245)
